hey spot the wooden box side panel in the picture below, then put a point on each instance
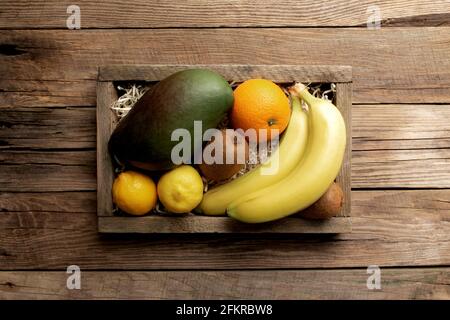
(344, 179)
(106, 95)
(238, 73)
(204, 224)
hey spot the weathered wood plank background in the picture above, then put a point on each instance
(216, 13)
(401, 149)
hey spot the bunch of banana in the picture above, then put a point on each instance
(312, 175)
(284, 159)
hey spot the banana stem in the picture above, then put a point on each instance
(300, 90)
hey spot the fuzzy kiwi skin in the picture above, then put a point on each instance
(328, 206)
(222, 172)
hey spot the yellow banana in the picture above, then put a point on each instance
(284, 159)
(312, 176)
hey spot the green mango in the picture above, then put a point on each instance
(143, 137)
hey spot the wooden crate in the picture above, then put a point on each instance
(106, 121)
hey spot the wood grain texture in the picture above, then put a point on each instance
(423, 168)
(47, 128)
(48, 202)
(51, 94)
(106, 122)
(394, 146)
(63, 157)
(400, 127)
(390, 228)
(382, 71)
(406, 283)
(216, 13)
(344, 179)
(44, 170)
(231, 72)
(201, 224)
(47, 177)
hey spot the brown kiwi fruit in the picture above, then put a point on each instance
(329, 205)
(221, 171)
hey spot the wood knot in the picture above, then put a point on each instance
(9, 284)
(4, 253)
(10, 50)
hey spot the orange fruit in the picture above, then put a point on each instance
(260, 104)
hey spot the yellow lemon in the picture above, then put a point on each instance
(134, 193)
(181, 189)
